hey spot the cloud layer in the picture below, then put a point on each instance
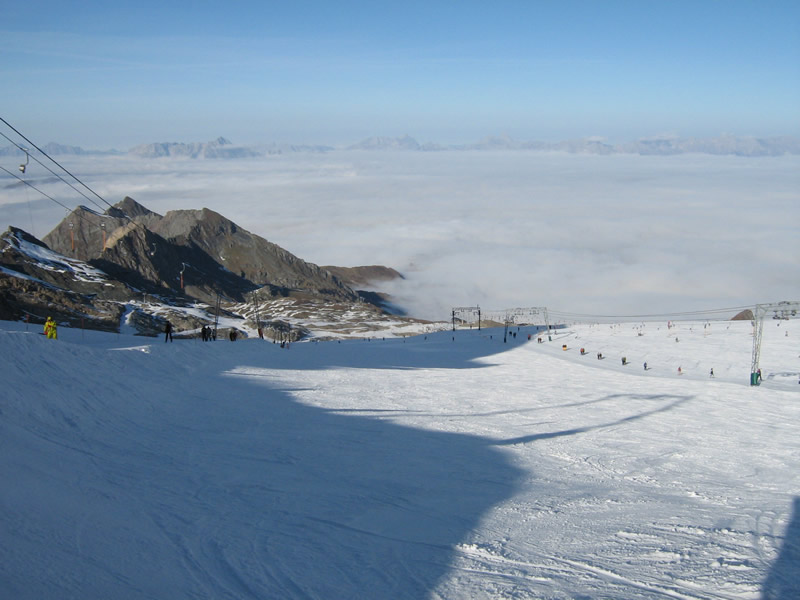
(588, 234)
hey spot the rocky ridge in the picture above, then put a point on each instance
(132, 266)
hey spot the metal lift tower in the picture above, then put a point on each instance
(781, 310)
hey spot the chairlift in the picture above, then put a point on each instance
(153, 252)
(24, 166)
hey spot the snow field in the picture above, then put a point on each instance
(444, 466)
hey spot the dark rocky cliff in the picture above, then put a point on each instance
(214, 254)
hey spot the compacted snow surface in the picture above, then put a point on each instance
(445, 466)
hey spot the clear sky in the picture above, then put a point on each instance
(117, 74)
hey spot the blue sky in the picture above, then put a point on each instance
(122, 73)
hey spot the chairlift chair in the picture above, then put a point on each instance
(24, 166)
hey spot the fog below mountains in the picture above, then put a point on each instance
(611, 235)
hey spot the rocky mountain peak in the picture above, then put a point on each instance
(136, 244)
(128, 207)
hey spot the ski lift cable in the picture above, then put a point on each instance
(705, 313)
(143, 228)
(693, 312)
(64, 206)
(35, 188)
(49, 169)
(696, 313)
(54, 161)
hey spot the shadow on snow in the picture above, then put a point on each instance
(675, 401)
(783, 580)
(200, 485)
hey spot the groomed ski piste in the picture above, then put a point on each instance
(446, 466)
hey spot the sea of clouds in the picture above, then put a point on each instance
(601, 235)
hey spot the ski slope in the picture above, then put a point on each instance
(445, 466)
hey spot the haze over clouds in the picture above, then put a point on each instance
(617, 234)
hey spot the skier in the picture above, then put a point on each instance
(711, 373)
(168, 332)
(645, 366)
(50, 329)
(680, 371)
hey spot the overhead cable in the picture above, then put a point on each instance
(59, 165)
(35, 188)
(695, 313)
(15, 130)
(21, 148)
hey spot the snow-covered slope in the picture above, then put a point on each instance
(450, 466)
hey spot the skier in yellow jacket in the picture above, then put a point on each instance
(50, 329)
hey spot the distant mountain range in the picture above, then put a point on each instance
(722, 145)
(219, 148)
(54, 149)
(222, 148)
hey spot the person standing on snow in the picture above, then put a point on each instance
(168, 332)
(51, 329)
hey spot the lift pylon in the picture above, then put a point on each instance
(781, 310)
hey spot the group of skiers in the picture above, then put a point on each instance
(207, 334)
(646, 367)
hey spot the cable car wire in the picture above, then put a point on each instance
(54, 161)
(15, 130)
(35, 188)
(671, 315)
(51, 171)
